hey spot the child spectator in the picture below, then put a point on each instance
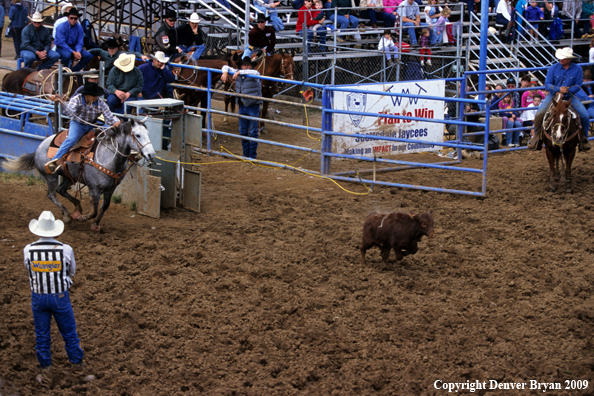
(510, 120)
(387, 45)
(439, 27)
(528, 96)
(432, 12)
(424, 42)
(320, 18)
(312, 19)
(533, 15)
(529, 115)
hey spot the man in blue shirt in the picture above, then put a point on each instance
(69, 42)
(564, 77)
(155, 75)
(36, 44)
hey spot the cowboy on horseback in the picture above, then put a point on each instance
(565, 78)
(84, 109)
(261, 39)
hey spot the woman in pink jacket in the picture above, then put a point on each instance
(390, 14)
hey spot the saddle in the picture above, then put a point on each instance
(85, 147)
(40, 82)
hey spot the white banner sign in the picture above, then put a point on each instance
(391, 127)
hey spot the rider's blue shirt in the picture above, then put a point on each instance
(558, 77)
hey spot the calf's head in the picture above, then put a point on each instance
(425, 221)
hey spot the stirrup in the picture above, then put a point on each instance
(52, 166)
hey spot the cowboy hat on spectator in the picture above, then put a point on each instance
(262, 18)
(46, 225)
(65, 7)
(91, 75)
(125, 62)
(170, 14)
(564, 53)
(112, 43)
(36, 17)
(73, 11)
(194, 18)
(160, 56)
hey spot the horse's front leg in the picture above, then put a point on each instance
(95, 197)
(106, 201)
(63, 191)
(52, 185)
(552, 172)
(568, 177)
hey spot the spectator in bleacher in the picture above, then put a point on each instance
(572, 11)
(124, 82)
(369, 9)
(516, 98)
(270, 7)
(166, 38)
(565, 78)
(69, 42)
(470, 8)
(588, 93)
(411, 18)
(344, 17)
(113, 52)
(190, 37)
(37, 43)
(261, 38)
(224, 4)
(387, 45)
(321, 19)
(503, 17)
(518, 13)
(511, 120)
(528, 116)
(439, 27)
(247, 106)
(432, 12)
(425, 50)
(155, 75)
(64, 18)
(550, 11)
(2, 15)
(307, 15)
(533, 15)
(528, 96)
(390, 12)
(18, 20)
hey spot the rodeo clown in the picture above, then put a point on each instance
(51, 267)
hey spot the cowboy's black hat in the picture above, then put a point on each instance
(91, 88)
(73, 11)
(112, 43)
(262, 18)
(247, 61)
(170, 14)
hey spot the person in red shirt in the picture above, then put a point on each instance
(311, 18)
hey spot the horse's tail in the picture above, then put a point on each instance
(23, 163)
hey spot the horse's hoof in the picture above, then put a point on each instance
(264, 131)
(66, 219)
(95, 227)
(569, 191)
(76, 215)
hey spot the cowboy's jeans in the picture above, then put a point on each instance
(44, 306)
(29, 57)
(75, 133)
(249, 128)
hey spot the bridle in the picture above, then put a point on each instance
(186, 60)
(549, 124)
(288, 75)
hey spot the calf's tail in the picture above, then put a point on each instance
(23, 163)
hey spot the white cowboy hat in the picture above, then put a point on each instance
(67, 5)
(46, 225)
(36, 17)
(194, 18)
(564, 53)
(160, 56)
(125, 62)
(91, 75)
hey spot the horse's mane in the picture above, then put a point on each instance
(123, 129)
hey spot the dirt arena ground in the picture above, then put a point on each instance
(264, 293)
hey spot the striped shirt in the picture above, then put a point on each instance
(80, 111)
(50, 264)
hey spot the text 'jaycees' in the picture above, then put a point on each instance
(493, 384)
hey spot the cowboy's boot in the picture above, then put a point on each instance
(80, 375)
(46, 378)
(584, 143)
(533, 143)
(52, 166)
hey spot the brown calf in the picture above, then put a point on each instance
(398, 231)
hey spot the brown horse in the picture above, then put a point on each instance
(277, 65)
(198, 78)
(43, 82)
(561, 134)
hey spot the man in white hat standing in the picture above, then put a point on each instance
(190, 37)
(123, 83)
(156, 75)
(36, 43)
(51, 266)
(564, 77)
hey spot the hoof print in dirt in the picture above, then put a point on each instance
(398, 231)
